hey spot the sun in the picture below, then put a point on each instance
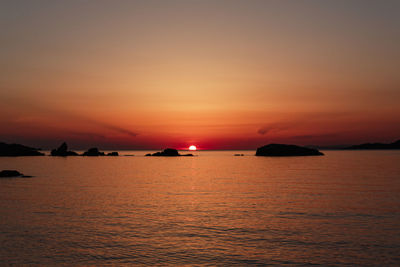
(192, 147)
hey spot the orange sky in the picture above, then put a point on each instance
(217, 74)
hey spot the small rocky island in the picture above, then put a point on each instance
(93, 152)
(282, 150)
(62, 151)
(15, 150)
(169, 152)
(12, 174)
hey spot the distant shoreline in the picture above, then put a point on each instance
(22, 150)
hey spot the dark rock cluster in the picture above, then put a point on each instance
(169, 152)
(92, 152)
(62, 151)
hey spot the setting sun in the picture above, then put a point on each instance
(192, 147)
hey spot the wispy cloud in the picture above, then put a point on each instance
(275, 127)
(296, 121)
(62, 114)
(116, 128)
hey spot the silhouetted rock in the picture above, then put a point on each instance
(280, 150)
(93, 152)
(15, 150)
(239, 155)
(169, 152)
(62, 151)
(12, 174)
(114, 154)
(394, 145)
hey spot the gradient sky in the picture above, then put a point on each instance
(217, 74)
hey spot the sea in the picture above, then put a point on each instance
(214, 209)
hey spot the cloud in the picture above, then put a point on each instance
(17, 103)
(119, 129)
(312, 136)
(301, 120)
(112, 127)
(89, 135)
(275, 127)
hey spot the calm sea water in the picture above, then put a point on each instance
(214, 209)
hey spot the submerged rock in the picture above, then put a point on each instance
(169, 152)
(62, 151)
(15, 150)
(282, 150)
(93, 152)
(114, 154)
(12, 173)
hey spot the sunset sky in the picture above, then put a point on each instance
(216, 74)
